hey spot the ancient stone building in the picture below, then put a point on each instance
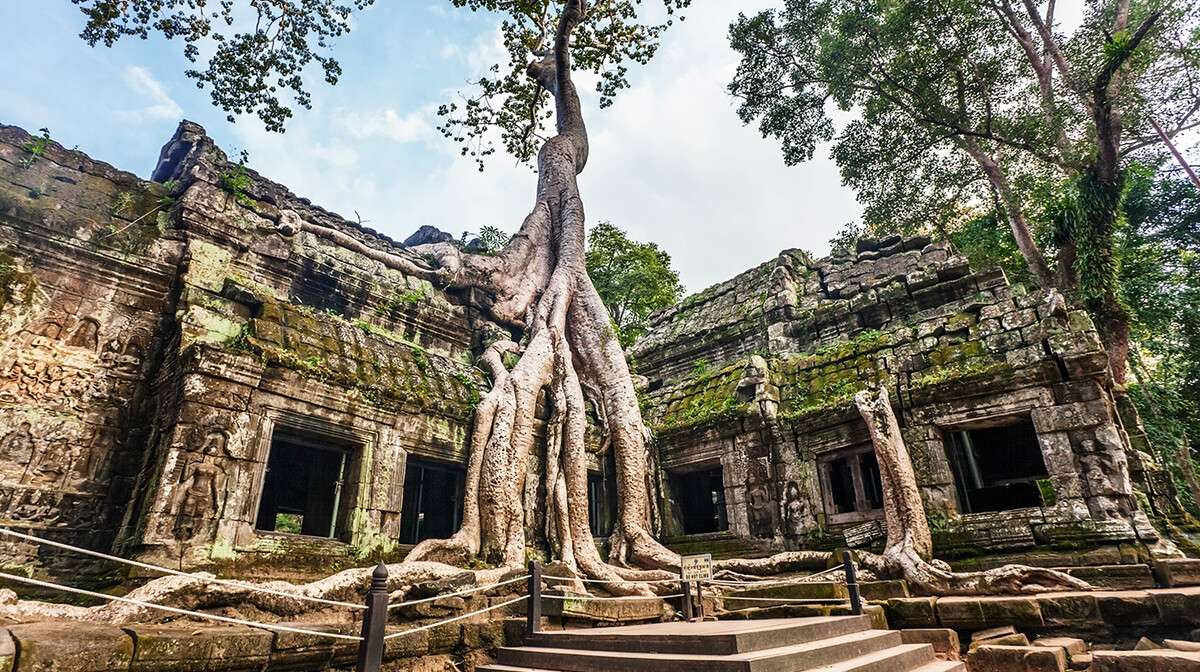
(180, 381)
(188, 376)
(1003, 395)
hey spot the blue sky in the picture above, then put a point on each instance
(670, 161)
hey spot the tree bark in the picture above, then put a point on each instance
(539, 285)
(909, 547)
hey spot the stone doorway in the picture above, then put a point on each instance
(432, 501)
(701, 498)
(303, 489)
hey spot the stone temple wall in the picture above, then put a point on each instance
(156, 335)
(756, 376)
(184, 371)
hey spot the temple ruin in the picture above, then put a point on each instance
(186, 377)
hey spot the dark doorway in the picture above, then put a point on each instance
(303, 488)
(702, 501)
(850, 485)
(997, 468)
(432, 501)
(602, 500)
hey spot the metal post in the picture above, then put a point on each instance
(687, 600)
(852, 583)
(370, 649)
(700, 601)
(533, 610)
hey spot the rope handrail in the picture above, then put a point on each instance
(176, 610)
(467, 591)
(456, 618)
(549, 596)
(646, 581)
(790, 600)
(173, 572)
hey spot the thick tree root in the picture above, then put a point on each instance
(244, 601)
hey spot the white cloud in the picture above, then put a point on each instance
(161, 105)
(411, 127)
(336, 154)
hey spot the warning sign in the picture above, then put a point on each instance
(696, 567)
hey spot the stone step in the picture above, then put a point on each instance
(832, 651)
(942, 666)
(710, 638)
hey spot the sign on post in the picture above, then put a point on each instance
(696, 567)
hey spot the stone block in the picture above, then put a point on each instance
(883, 590)
(943, 640)
(1020, 612)
(1071, 645)
(8, 651)
(1173, 572)
(913, 612)
(1178, 607)
(1127, 608)
(1181, 645)
(1071, 609)
(72, 647)
(1043, 659)
(1069, 416)
(961, 613)
(1160, 660)
(993, 658)
(992, 633)
(1014, 639)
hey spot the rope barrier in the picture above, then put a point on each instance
(546, 596)
(647, 581)
(186, 575)
(468, 591)
(175, 610)
(456, 618)
(797, 600)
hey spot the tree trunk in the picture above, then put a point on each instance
(539, 285)
(909, 548)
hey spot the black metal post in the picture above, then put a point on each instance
(687, 600)
(370, 649)
(533, 610)
(852, 583)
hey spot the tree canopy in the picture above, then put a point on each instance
(965, 107)
(633, 279)
(263, 50)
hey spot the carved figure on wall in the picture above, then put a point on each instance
(761, 523)
(796, 510)
(53, 463)
(201, 490)
(86, 335)
(17, 446)
(33, 506)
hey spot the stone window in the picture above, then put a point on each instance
(303, 489)
(433, 500)
(701, 497)
(997, 468)
(850, 485)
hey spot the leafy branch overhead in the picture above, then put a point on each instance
(508, 102)
(264, 58)
(262, 49)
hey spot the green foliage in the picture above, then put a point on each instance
(248, 71)
(490, 240)
(611, 36)
(398, 300)
(633, 279)
(1159, 247)
(952, 119)
(236, 181)
(36, 148)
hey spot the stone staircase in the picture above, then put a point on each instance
(828, 644)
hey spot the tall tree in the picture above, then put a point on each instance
(633, 279)
(972, 104)
(537, 286)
